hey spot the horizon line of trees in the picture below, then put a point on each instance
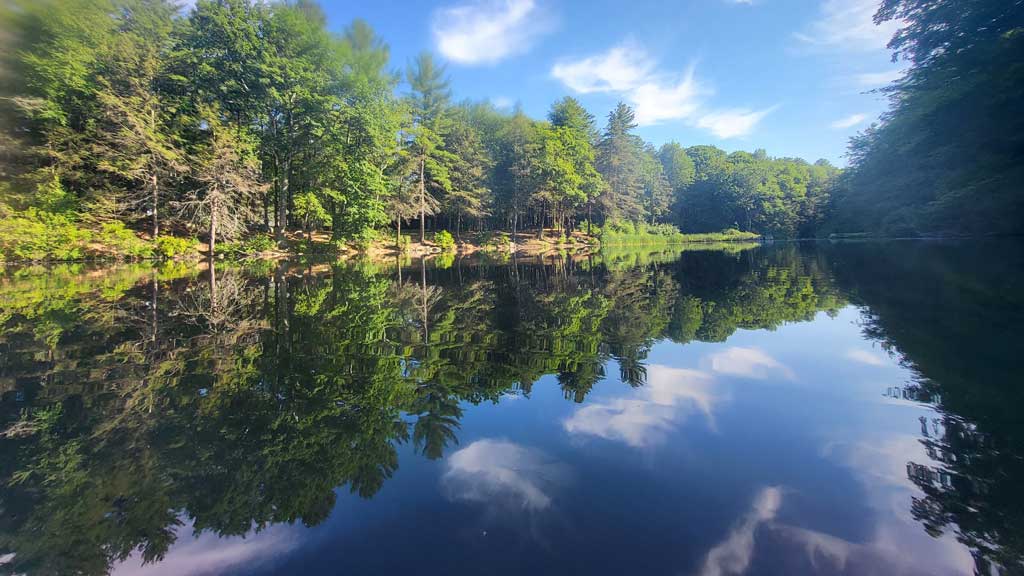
(244, 117)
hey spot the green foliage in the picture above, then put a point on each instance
(783, 197)
(248, 247)
(119, 241)
(37, 235)
(625, 233)
(176, 247)
(365, 239)
(444, 241)
(308, 209)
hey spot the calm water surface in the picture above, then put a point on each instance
(788, 409)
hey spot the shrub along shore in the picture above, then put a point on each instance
(43, 237)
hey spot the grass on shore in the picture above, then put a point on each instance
(641, 234)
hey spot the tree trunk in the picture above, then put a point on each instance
(266, 212)
(398, 234)
(423, 202)
(153, 306)
(213, 225)
(213, 289)
(540, 230)
(423, 276)
(281, 221)
(156, 218)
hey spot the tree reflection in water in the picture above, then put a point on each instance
(137, 400)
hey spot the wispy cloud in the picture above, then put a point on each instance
(657, 102)
(627, 70)
(733, 555)
(848, 25)
(645, 416)
(733, 123)
(502, 102)
(876, 79)
(209, 553)
(488, 31)
(492, 470)
(620, 69)
(848, 121)
(748, 363)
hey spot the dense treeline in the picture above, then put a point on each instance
(242, 117)
(948, 157)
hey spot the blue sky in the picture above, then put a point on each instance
(789, 76)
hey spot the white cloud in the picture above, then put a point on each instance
(492, 469)
(656, 102)
(848, 25)
(502, 102)
(646, 415)
(628, 71)
(848, 121)
(209, 553)
(733, 555)
(733, 123)
(865, 357)
(903, 550)
(487, 31)
(748, 363)
(875, 79)
(880, 464)
(620, 69)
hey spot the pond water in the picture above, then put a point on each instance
(807, 408)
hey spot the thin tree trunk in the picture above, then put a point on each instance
(213, 226)
(153, 305)
(213, 289)
(423, 203)
(398, 234)
(423, 276)
(156, 218)
(282, 200)
(266, 212)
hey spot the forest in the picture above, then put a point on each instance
(133, 128)
(137, 128)
(948, 156)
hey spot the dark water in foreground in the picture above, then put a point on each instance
(791, 409)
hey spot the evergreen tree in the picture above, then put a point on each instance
(618, 160)
(428, 103)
